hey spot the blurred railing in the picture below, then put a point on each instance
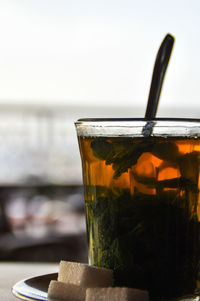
(41, 197)
(38, 146)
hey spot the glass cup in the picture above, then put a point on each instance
(141, 182)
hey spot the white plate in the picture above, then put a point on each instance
(34, 288)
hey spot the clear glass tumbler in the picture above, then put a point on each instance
(142, 200)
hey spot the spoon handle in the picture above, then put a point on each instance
(160, 67)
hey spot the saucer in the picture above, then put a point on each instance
(35, 288)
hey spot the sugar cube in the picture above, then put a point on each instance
(60, 291)
(84, 275)
(116, 294)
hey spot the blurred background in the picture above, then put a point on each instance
(64, 60)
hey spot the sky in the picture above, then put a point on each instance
(75, 52)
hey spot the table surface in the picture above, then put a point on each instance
(12, 272)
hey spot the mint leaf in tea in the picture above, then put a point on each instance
(142, 207)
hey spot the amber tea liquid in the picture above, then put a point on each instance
(143, 209)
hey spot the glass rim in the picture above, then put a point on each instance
(127, 119)
(138, 127)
